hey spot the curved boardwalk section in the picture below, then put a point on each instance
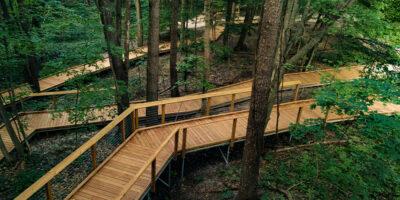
(126, 174)
(45, 120)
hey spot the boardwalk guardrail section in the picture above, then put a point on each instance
(133, 113)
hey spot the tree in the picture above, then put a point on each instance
(228, 21)
(153, 56)
(174, 48)
(248, 21)
(111, 18)
(266, 70)
(139, 23)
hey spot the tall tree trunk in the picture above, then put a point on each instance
(113, 39)
(248, 21)
(228, 21)
(11, 132)
(153, 57)
(32, 72)
(139, 24)
(207, 35)
(174, 49)
(262, 97)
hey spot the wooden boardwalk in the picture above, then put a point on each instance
(126, 174)
(44, 120)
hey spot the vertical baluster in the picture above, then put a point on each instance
(176, 143)
(208, 106)
(133, 121)
(163, 114)
(296, 92)
(123, 130)
(232, 108)
(234, 123)
(153, 176)
(49, 192)
(136, 118)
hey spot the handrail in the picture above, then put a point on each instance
(103, 132)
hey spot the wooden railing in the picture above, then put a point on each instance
(132, 111)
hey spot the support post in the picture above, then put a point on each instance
(133, 121)
(123, 130)
(136, 118)
(208, 106)
(299, 112)
(176, 143)
(233, 133)
(232, 108)
(49, 192)
(296, 92)
(163, 114)
(153, 176)
(93, 154)
(326, 116)
(183, 151)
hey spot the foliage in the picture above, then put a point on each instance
(354, 97)
(194, 66)
(310, 130)
(367, 168)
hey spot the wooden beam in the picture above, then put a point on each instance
(133, 121)
(153, 175)
(296, 92)
(184, 139)
(176, 143)
(49, 191)
(232, 107)
(233, 133)
(299, 112)
(163, 114)
(208, 106)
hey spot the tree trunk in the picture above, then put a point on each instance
(153, 56)
(262, 97)
(113, 39)
(11, 132)
(139, 24)
(248, 21)
(228, 21)
(174, 49)
(32, 72)
(207, 34)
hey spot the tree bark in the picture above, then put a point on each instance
(174, 49)
(153, 56)
(228, 21)
(248, 21)
(113, 41)
(139, 24)
(262, 97)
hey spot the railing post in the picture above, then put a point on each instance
(232, 108)
(136, 118)
(153, 176)
(176, 143)
(208, 106)
(163, 114)
(296, 92)
(183, 151)
(49, 192)
(93, 154)
(133, 121)
(299, 112)
(184, 138)
(234, 123)
(123, 130)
